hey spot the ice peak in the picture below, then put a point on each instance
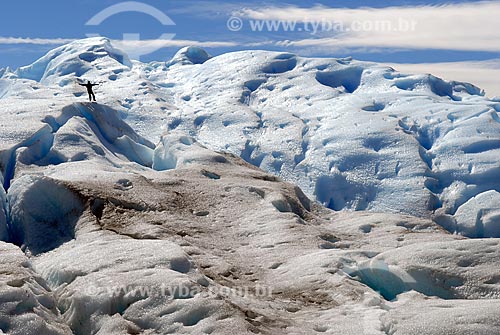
(190, 55)
(74, 59)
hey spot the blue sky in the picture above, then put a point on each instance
(444, 31)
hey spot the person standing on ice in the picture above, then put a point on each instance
(89, 86)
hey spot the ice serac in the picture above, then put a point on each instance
(43, 212)
(80, 132)
(86, 130)
(189, 56)
(75, 59)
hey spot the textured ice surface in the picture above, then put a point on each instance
(450, 270)
(42, 213)
(351, 134)
(61, 64)
(190, 55)
(480, 215)
(28, 307)
(432, 316)
(4, 235)
(124, 205)
(134, 277)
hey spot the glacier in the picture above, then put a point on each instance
(341, 196)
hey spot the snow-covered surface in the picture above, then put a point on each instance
(146, 212)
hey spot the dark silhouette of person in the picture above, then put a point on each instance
(89, 85)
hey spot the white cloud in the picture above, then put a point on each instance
(467, 26)
(155, 43)
(160, 43)
(38, 41)
(483, 74)
(205, 9)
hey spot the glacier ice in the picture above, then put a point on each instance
(92, 294)
(191, 179)
(360, 133)
(480, 215)
(178, 150)
(189, 56)
(431, 316)
(4, 234)
(74, 59)
(43, 213)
